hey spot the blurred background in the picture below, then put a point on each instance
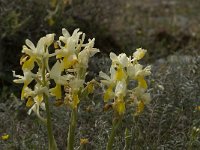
(168, 29)
(164, 27)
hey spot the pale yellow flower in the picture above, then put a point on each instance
(119, 63)
(136, 70)
(40, 49)
(36, 53)
(140, 94)
(71, 42)
(60, 80)
(84, 141)
(139, 54)
(5, 137)
(121, 89)
(119, 105)
(56, 91)
(86, 53)
(26, 80)
(139, 108)
(72, 53)
(121, 60)
(38, 103)
(109, 94)
(56, 74)
(69, 51)
(91, 86)
(108, 84)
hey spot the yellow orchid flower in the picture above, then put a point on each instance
(142, 82)
(108, 82)
(29, 64)
(120, 74)
(5, 137)
(86, 53)
(91, 86)
(69, 50)
(84, 141)
(121, 59)
(139, 108)
(35, 53)
(38, 103)
(119, 105)
(139, 54)
(109, 94)
(56, 74)
(119, 63)
(69, 61)
(56, 91)
(60, 80)
(140, 94)
(26, 79)
(29, 102)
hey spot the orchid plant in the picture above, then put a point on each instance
(65, 79)
(123, 71)
(68, 72)
(36, 58)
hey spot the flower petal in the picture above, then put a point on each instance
(30, 44)
(65, 33)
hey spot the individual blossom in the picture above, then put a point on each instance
(139, 97)
(72, 96)
(115, 85)
(60, 80)
(90, 86)
(26, 80)
(120, 93)
(84, 141)
(86, 53)
(37, 104)
(5, 137)
(139, 54)
(119, 64)
(138, 73)
(109, 83)
(117, 73)
(72, 45)
(34, 53)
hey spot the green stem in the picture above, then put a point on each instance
(115, 126)
(127, 139)
(51, 140)
(71, 132)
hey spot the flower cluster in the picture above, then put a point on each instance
(68, 72)
(73, 56)
(123, 71)
(35, 58)
(58, 69)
